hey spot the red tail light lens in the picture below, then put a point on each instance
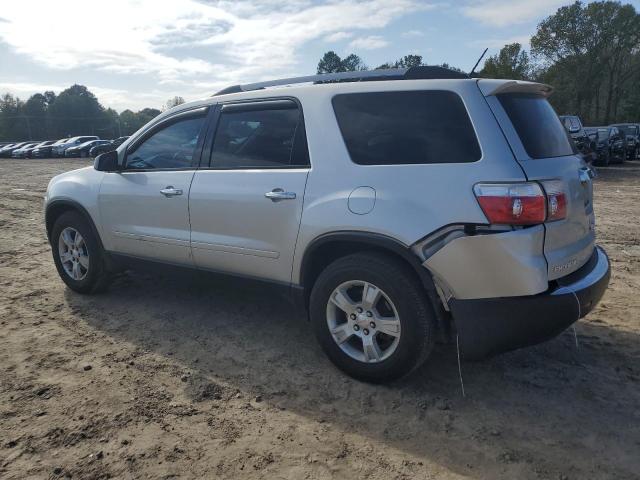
(556, 200)
(512, 204)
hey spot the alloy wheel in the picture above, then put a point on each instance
(363, 321)
(73, 252)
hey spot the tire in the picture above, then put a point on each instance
(402, 301)
(93, 275)
(604, 160)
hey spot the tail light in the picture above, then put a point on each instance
(556, 200)
(512, 203)
(522, 203)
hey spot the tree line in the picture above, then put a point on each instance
(74, 111)
(589, 53)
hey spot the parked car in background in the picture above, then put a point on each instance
(29, 151)
(632, 131)
(83, 149)
(6, 152)
(574, 127)
(6, 146)
(22, 151)
(44, 151)
(112, 145)
(610, 145)
(59, 149)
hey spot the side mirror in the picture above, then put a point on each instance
(107, 162)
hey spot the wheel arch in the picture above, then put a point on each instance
(330, 246)
(58, 207)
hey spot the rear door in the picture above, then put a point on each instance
(246, 206)
(547, 155)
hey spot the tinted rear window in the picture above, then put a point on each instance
(537, 125)
(416, 127)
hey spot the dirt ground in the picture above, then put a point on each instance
(195, 378)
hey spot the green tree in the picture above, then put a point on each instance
(34, 113)
(407, 61)
(173, 102)
(11, 128)
(511, 62)
(76, 111)
(132, 121)
(589, 54)
(332, 63)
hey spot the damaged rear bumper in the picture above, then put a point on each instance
(490, 326)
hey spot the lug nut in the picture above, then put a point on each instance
(365, 331)
(369, 314)
(359, 309)
(352, 316)
(356, 328)
(372, 325)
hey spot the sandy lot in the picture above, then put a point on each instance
(194, 378)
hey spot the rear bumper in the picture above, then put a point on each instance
(493, 325)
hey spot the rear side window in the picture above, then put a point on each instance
(270, 135)
(414, 127)
(539, 128)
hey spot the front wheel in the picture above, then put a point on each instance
(372, 317)
(77, 254)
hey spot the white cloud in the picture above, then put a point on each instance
(371, 42)
(336, 37)
(501, 13)
(413, 33)
(247, 40)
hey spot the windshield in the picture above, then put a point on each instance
(539, 128)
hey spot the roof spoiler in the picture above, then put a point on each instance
(496, 87)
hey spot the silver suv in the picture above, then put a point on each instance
(395, 206)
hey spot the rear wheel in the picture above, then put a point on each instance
(372, 317)
(77, 254)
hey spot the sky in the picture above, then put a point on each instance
(139, 53)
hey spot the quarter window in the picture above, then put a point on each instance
(413, 127)
(537, 125)
(260, 137)
(174, 146)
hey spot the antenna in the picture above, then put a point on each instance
(476, 65)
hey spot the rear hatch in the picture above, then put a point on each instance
(547, 155)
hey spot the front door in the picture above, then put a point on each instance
(246, 207)
(145, 206)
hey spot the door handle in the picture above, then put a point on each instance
(169, 191)
(278, 194)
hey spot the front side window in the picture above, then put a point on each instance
(260, 138)
(411, 127)
(536, 123)
(174, 146)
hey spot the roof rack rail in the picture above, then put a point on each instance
(413, 73)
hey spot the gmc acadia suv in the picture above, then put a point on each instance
(394, 205)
